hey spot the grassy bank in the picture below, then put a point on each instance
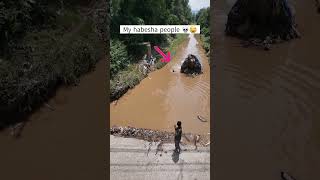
(41, 57)
(173, 47)
(130, 76)
(204, 42)
(203, 19)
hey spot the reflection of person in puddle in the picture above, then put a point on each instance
(177, 137)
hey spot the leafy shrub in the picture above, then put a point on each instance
(206, 42)
(203, 18)
(21, 16)
(119, 57)
(124, 80)
(41, 61)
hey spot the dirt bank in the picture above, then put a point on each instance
(158, 135)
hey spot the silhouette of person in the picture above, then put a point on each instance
(177, 137)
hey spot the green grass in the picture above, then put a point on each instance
(205, 43)
(125, 80)
(173, 47)
(176, 42)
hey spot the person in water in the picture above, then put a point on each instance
(177, 137)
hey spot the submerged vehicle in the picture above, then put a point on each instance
(191, 65)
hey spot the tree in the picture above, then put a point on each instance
(202, 17)
(261, 19)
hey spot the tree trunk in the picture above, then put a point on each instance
(261, 19)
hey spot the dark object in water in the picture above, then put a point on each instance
(259, 19)
(286, 176)
(191, 65)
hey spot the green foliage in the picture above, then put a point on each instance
(203, 19)
(205, 31)
(39, 55)
(31, 74)
(119, 57)
(81, 57)
(147, 12)
(206, 42)
(20, 16)
(144, 12)
(176, 42)
(126, 50)
(124, 80)
(173, 19)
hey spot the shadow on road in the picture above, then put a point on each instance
(175, 156)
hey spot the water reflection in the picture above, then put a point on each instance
(274, 99)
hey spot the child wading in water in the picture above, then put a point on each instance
(177, 137)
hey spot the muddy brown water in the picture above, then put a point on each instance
(165, 97)
(67, 143)
(267, 108)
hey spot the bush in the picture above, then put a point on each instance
(41, 61)
(119, 57)
(124, 80)
(206, 42)
(203, 18)
(20, 16)
(78, 59)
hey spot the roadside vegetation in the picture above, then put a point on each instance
(130, 75)
(44, 44)
(127, 52)
(203, 19)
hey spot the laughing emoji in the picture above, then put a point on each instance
(193, 29)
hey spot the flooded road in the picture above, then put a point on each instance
(165, 97)
(267, 102)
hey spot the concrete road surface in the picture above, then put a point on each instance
(134, 159)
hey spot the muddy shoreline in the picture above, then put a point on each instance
(201, 140)
(15, 120)
(121, 89)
